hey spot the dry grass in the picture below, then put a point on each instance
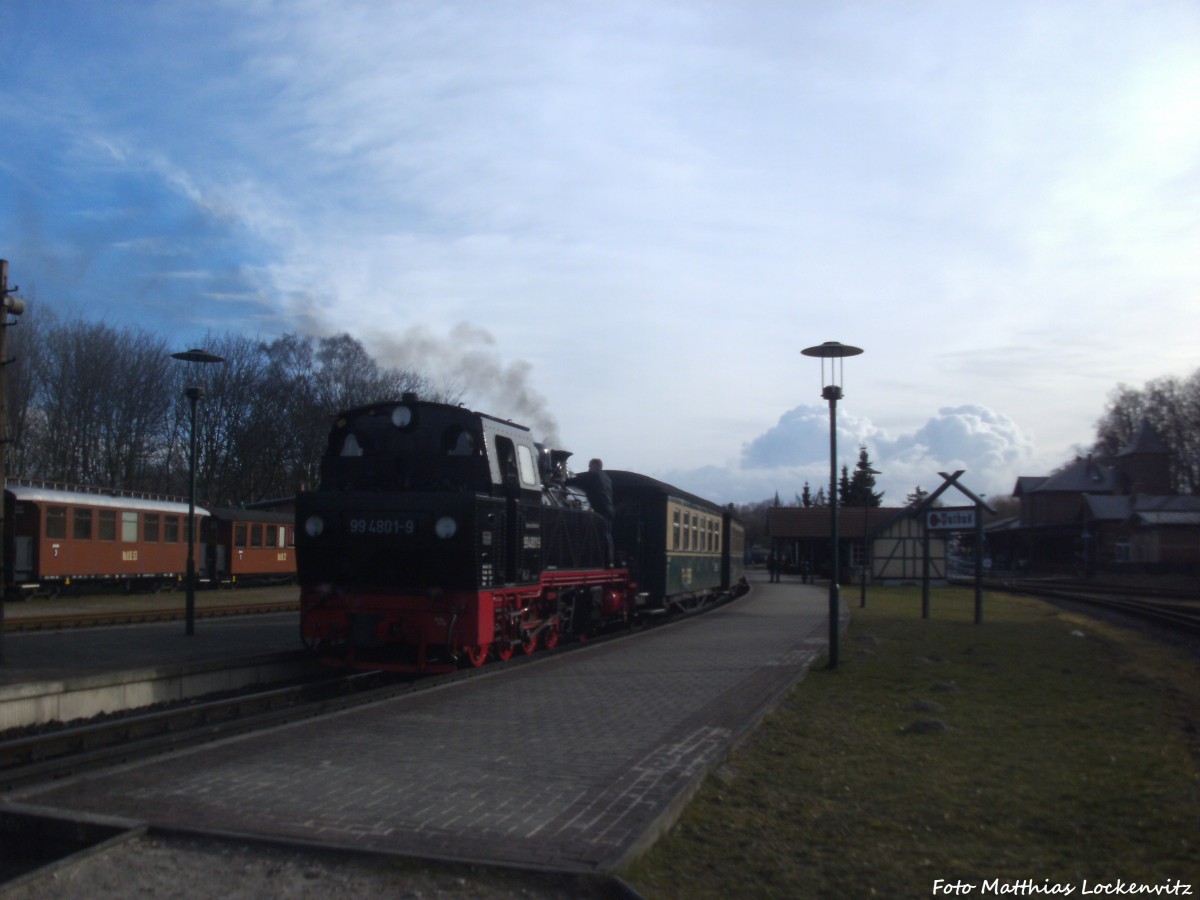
(1070, 751)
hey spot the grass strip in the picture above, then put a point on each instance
(1040, 749)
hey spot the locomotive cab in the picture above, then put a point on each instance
(423, 495)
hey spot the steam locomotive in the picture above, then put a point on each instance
(440, 537)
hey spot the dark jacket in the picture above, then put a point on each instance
(598, 487)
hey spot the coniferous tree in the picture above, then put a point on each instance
(861, 486)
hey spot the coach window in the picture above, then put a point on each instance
(129, 529)
(255, 535)
(272, 536)
(171, 529)
(56, 521)
(106, 525)
(150, 528)
(239, 534)
(675, 531)
(82, 521)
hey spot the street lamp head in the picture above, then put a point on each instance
(196, 355)
(833, 351)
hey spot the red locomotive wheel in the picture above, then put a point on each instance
(476, 655)
(502, 650)
(550, 638)
(529, 642)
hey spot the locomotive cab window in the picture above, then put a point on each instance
(527, 465)
(457, 441)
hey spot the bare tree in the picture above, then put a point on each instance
(1172, 407)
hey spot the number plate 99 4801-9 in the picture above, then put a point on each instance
(382, 526)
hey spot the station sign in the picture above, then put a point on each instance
(956, 518)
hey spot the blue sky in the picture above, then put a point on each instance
(621, 222)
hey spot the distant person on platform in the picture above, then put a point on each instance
(598, 487)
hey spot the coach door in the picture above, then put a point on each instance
(22, 558)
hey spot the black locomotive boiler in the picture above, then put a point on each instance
(440, 537)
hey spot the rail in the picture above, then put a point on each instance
(1178, 610)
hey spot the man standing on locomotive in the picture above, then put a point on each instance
(598, 487)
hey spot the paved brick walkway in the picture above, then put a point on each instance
(573, 763)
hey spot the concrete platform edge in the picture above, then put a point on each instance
(64, 700)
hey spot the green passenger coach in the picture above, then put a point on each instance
(679, 547)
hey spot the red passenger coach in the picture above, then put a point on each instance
(55, 537)
(249, 546)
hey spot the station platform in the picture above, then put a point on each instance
(85, 652)
(78, 673)
(574, 763)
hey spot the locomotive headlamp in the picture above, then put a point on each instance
(445, 528)
(313, 526)
(402, 416)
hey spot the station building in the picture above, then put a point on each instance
(1102, 515)
(887, 543)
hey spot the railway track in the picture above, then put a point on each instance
(1176, 610)
(58, 621)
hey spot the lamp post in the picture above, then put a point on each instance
(833, 351)
(194, 393)
(10, 304)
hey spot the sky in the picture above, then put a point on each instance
(621, 222)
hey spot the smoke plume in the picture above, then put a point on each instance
(467, 363)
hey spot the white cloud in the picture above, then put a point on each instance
(989, 446)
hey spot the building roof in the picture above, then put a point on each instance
(1027, 483)
(1167, 518)
(1108, 508)
(1166, 503)
(1145, 440)
(1082, 476)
